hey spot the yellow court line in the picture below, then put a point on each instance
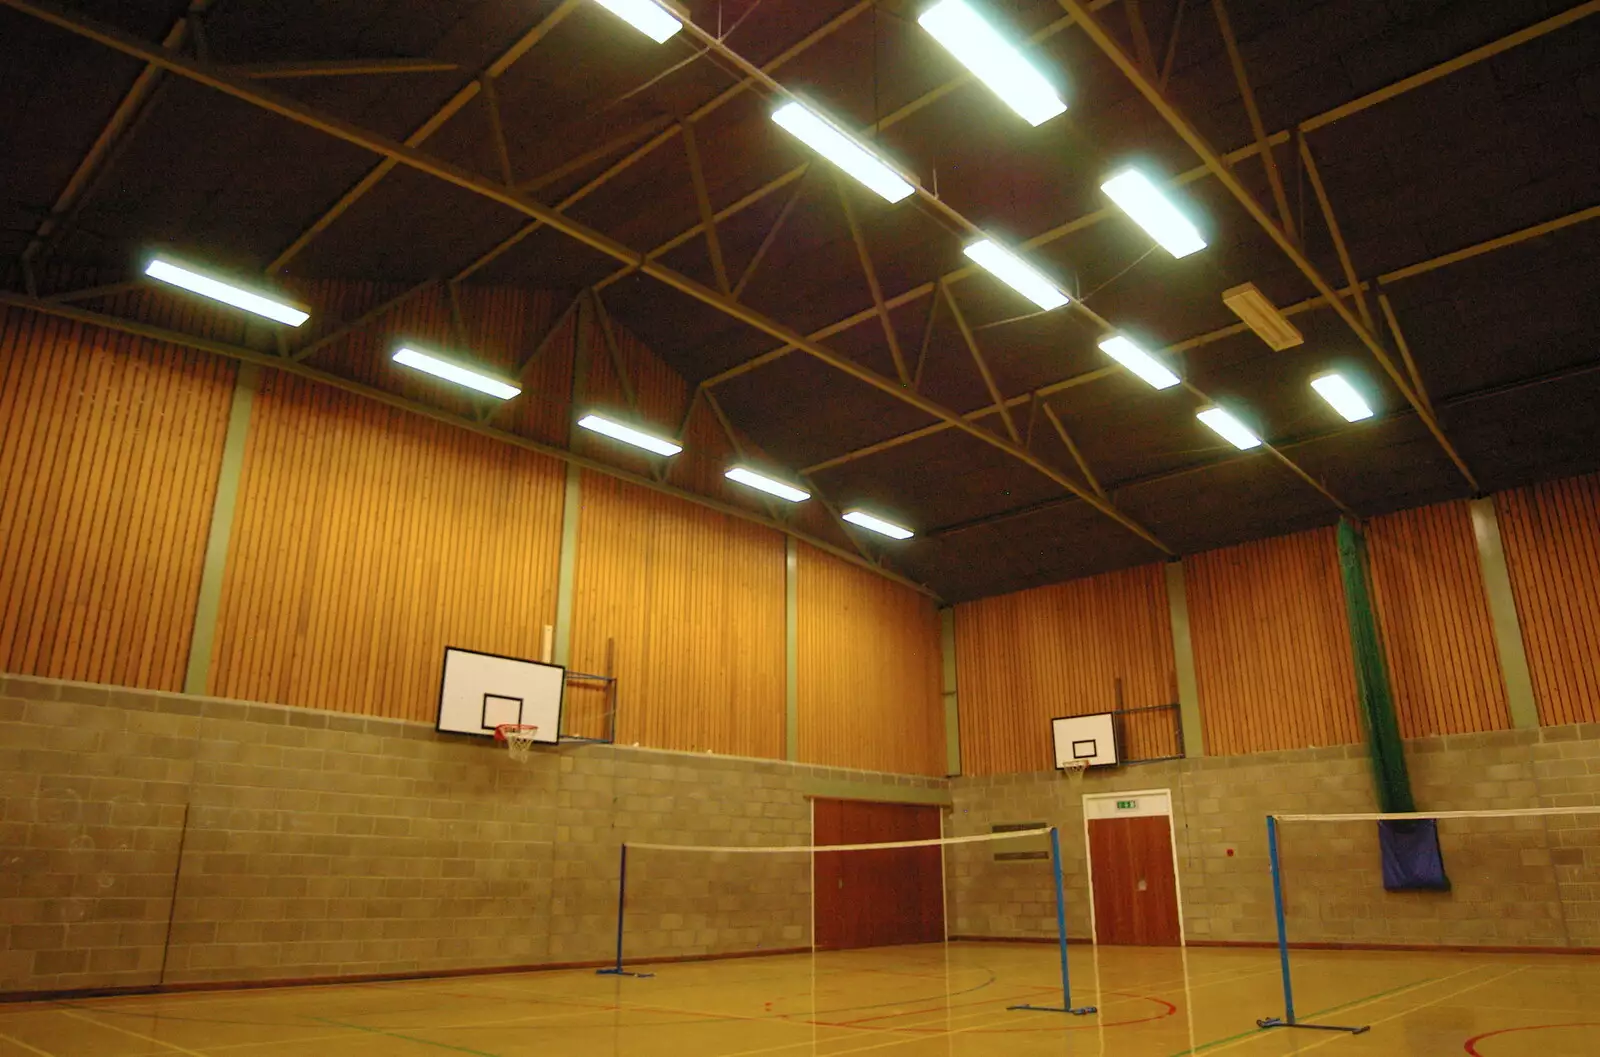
(134, 1034)
(26, 1046)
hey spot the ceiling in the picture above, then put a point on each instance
(1503, 340)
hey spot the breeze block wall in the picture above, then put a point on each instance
(291, 843)
(1517, 882)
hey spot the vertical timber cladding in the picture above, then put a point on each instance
(689, 605)
(367, 539)
(1272, 645)
(1433, 618)
(109, 448)
(1025, 658)
(1552, 543)
(868, 670)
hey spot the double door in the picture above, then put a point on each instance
(876, 898)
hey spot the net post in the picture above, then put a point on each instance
(1061, 936)
(1288, 1019)
(622, 902)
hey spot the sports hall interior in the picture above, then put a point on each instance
(812, 241)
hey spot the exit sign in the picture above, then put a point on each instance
(1127, 805)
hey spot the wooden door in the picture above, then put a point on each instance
(877, 898)
(1135, 892)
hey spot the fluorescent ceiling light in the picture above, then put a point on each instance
(767, 484)
(878, 525)
(992, 60)
(1229, 428)
(821, 136)
(1262, 316)
(1149, 208)
(1139, 362)
(1017, 274)
(1342, 395)
(648, 18)
(453, 372)
(238, 297)
(629, 435)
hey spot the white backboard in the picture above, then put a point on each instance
(479, 691)
(1085, 738)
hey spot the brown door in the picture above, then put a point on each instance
(1135, 894)
(877, 898)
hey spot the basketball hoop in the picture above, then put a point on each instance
(519, 739)
(1074, 770)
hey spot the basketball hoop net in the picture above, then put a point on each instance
(519, 739)
(1074, 770)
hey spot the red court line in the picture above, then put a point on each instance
(1471, 1044)
(863, 1025)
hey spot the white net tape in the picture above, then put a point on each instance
(1413, 816)
(806, 849)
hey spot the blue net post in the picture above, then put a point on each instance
(1066, 1005)
(1288, 1019)
(622, 903)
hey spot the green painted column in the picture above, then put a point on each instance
(567, 568)
(952, 707)
(1194, 738)
(202, 638)
(1503, 615)
(791, 649)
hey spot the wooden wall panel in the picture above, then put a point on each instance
(1552, 542)
(368, 539)
(868, 671)
(1272, 645)
(109, 449)
(693, 601)
(1061, 650)
(1433, 617)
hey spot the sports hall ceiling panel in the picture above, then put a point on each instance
(1504, 342)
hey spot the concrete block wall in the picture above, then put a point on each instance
(287, 843)
(1521, 883)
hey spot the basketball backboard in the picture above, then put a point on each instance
(1090, 740)
(480, 691)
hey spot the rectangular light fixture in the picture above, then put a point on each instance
(1336, 390)
(766, 484)
(647, 17)
(629, 435)
(1262, 316)
(1138, 361)
(1229, 428)
(1138, 197)
(428, 363)
(878, 525)
(820, 135)
(227, 293)
(1016, 273)
(992, 60)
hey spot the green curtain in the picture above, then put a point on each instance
(1372, 675)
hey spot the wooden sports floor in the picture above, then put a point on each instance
(894, 1002)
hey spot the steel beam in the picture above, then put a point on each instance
(365, 319)
(451, 108)
(1352, 281)
(260, 359)
(280, 71)
(613, 353)
(873, 287)
(1405, 349)
(702, 200)
(1199, 172)
(668, 133)
(1072, 449)
(589, 157)
(772, 235)
(999, 402)
(1213, 161)
(1257, 129)
(497, 129)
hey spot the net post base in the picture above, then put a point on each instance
(1279, 1022)
(617, 970)
(1077, 1011)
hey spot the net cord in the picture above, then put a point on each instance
(806, 849)
(1415, 816)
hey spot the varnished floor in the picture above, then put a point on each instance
(895, 1002)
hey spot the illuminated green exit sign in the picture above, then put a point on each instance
(1127, 805)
